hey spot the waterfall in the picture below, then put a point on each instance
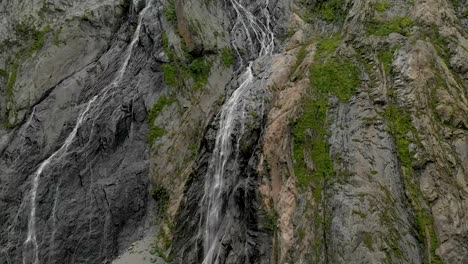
(31, 248)
(212, 200)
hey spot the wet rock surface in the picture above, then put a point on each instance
(388, 186)
(93, 196)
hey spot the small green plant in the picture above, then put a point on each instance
(271, 220)
(227, 57)
(327, 45)
(3, 73)
(155, 131)
(386, 57)
(11, 81)
(359, 213)
(170, 75)
(34, 38)
(169, 52)
(336, 77)
(397, 25)
(301, 54)
(200, 71)
(159, 106)
(382, 6)
(332, 10)
(39, 40)
(170, 12)
(328, 77)
(160, 195)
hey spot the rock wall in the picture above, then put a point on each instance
(353, 147)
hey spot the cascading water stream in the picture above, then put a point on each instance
(212, 200)
(31, 249)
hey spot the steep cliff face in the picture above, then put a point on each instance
(273, 131)
(74, 152)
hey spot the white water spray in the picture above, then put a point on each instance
(214, 180)
(31, 240)
(31, 248)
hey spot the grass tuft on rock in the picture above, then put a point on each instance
(170, 12)
(399, 25)
(329, 77)
(227, 57)
(155, 131)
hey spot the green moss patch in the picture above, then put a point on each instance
(329, 77)
(170, 12)
(336, 77)
(12, 80)
(397, 25)
(382, 6)
(227, 57)
(180, 69)
(399, 124)
(200, 71)
(155, 131)
(331, 10)
(386, 58)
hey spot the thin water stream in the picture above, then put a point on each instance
(31, 248)
(233, 112)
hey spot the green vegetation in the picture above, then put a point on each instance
(367, 239)
(31, 36)
(162, 244)
(30, 40)
(271, 220)
(3, 73)
(163, 241)
(155, 131)
(331, 10)
(170, 75)
(227, 57)
(11, 81)
(336, 77)
(161, 196)
(179, 69)
(382, 6)
(39, 40)
(200, 71)
(57, 37)
(327, 10)
(170, 12)
(301, 54)
(313, 118)
(398, 25)
(400, 126)
(329, 77)
(159, 106)
(386, 57)
(327, 46)
(359, 213)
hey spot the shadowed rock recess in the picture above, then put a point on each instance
(234, 131)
